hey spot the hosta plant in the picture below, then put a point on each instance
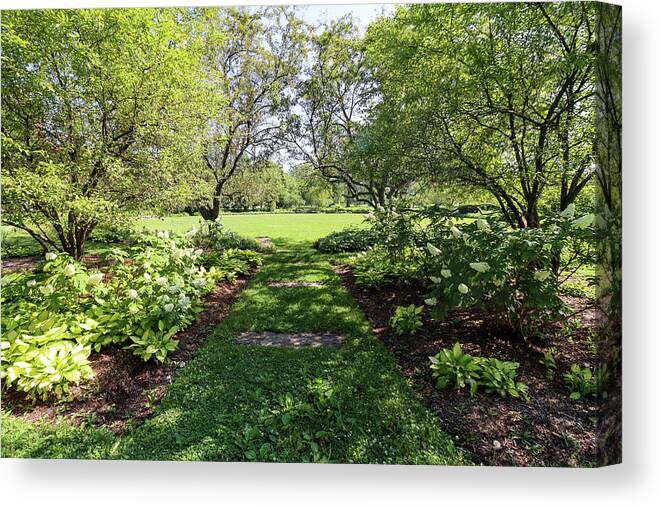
(580, 382)
(454, 367)
(407, 320)
(500, 377)
(55, 316)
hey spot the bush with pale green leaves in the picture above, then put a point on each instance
(55, 316)
(486, 264)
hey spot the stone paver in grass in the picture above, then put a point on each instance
(294, 283)
(306, 339)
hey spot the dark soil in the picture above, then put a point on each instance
(14, 264)
(549, 429)
(125, 388)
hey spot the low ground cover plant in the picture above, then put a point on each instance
(348, 240)
(455, 367)
(584, 382)
(55, 316)
(407, 320)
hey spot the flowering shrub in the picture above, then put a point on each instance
(53, 318)
(485, 264)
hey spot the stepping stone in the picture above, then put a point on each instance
(296, 340)
(294, 283)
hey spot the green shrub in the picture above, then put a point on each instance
(115, 233)
(500, 377)
(453, 366)
(511, 272)
(377, 267)
(53, 317)
(407, 319)
(232, 261)
(212, 234)
(347, 240)
(20, 250)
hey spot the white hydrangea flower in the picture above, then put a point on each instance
(132, 293)
(70, 270)
(168, 307)
(433, 250)
(446, 273)
(480, 267)
(199, 282)
(542, 275)
(147, 276)
(51, 256)
(165, 298)
(161, 280)
(463, 288)
(31, 283)
(435, 279)
(95, 279)
(184, 301)
(455, 232)
(431, 301)
(482, 224)
(47, 290)
(174, 288)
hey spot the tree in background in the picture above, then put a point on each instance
(330, 127)
(98, 108)
(499, 96)
(257, 185)
(254, 67)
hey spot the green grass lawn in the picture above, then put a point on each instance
(297, 227)
(250, 403)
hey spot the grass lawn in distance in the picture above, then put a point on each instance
(292, 226)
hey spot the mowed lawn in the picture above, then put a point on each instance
(290, 226)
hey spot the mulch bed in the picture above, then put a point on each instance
(125, 388)
(547, 430)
